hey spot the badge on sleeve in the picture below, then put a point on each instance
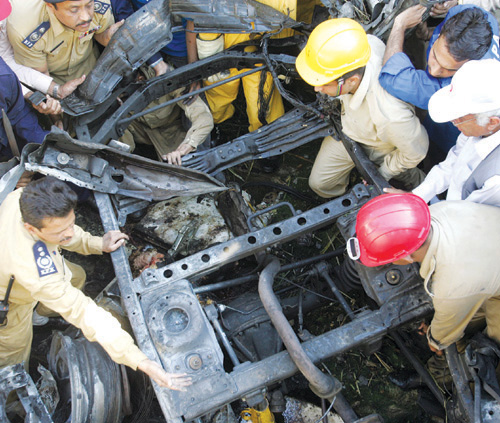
(32, 39)
(101, 7)
(43, 260)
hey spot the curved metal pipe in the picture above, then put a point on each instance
(323, 385)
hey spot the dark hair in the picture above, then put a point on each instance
(359, 71)
(46, 198)
(468, 34)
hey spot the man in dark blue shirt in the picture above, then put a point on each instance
(22, 118)
(467, 33)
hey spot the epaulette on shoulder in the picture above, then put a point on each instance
(38, 33)
(101, 7)
(44, 263)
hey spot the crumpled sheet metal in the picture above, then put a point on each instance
(142, 35)
(15, 378)
(150, 28)
(231, 16)
(108, 170)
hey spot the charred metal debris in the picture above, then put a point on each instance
(239, 346)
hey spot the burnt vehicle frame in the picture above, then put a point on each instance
(164, 302)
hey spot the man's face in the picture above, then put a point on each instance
(468, 126)
(441, 63)
(329, 89)
(75, 15)
(55, 230)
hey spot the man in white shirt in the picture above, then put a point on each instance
(471, 171)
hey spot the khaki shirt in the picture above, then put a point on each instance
(37, 80)
(40, 40)
(47, 280)
(197, 112)
(461, 268)
(375, 118)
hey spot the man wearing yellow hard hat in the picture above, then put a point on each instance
(340, 60)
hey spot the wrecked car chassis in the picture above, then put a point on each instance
(173, 328)
(107, 120)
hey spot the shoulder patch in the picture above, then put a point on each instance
(38, 33)
(43, 260)
(101, 7)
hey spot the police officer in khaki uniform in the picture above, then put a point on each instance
(56, 36)
(36, 223)
(456, 244)
(163, 128)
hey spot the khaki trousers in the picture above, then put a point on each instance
(332, 167)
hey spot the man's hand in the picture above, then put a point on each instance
(113, 240)
(392, 190)
(104, 37)
(177, 382)
(25, 179)
(48, 107)
(175, 156)
(442, 8)
(67, 88)
(410, 17)
(161, 68)
(422, 330)
(405, 20)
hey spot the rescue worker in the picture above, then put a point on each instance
(55, 37)
(24, 122)
(340, 60)
(164, 129)
(470, 171)
(28, 76)
(467, 33)
(263, 106)
(456, 244)
(36, 222)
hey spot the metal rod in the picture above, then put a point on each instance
(322, 269)
(225, 341)
(419, 367)
(244, 279)
(184, 96)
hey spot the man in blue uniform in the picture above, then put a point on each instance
(22, 118)
(467, 33)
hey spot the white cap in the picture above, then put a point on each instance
(475, 88)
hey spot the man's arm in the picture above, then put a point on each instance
(21, 117)
(451, 317)
(407, 19)
(439, 177)
(400, 79)
(202, 124)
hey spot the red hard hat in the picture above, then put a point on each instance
(5, 9)
(390, 227)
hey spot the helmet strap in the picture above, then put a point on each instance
(340, 84)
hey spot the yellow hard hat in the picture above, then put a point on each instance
(335, 47)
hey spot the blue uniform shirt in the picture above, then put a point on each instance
(400, 79)
(22, 118)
